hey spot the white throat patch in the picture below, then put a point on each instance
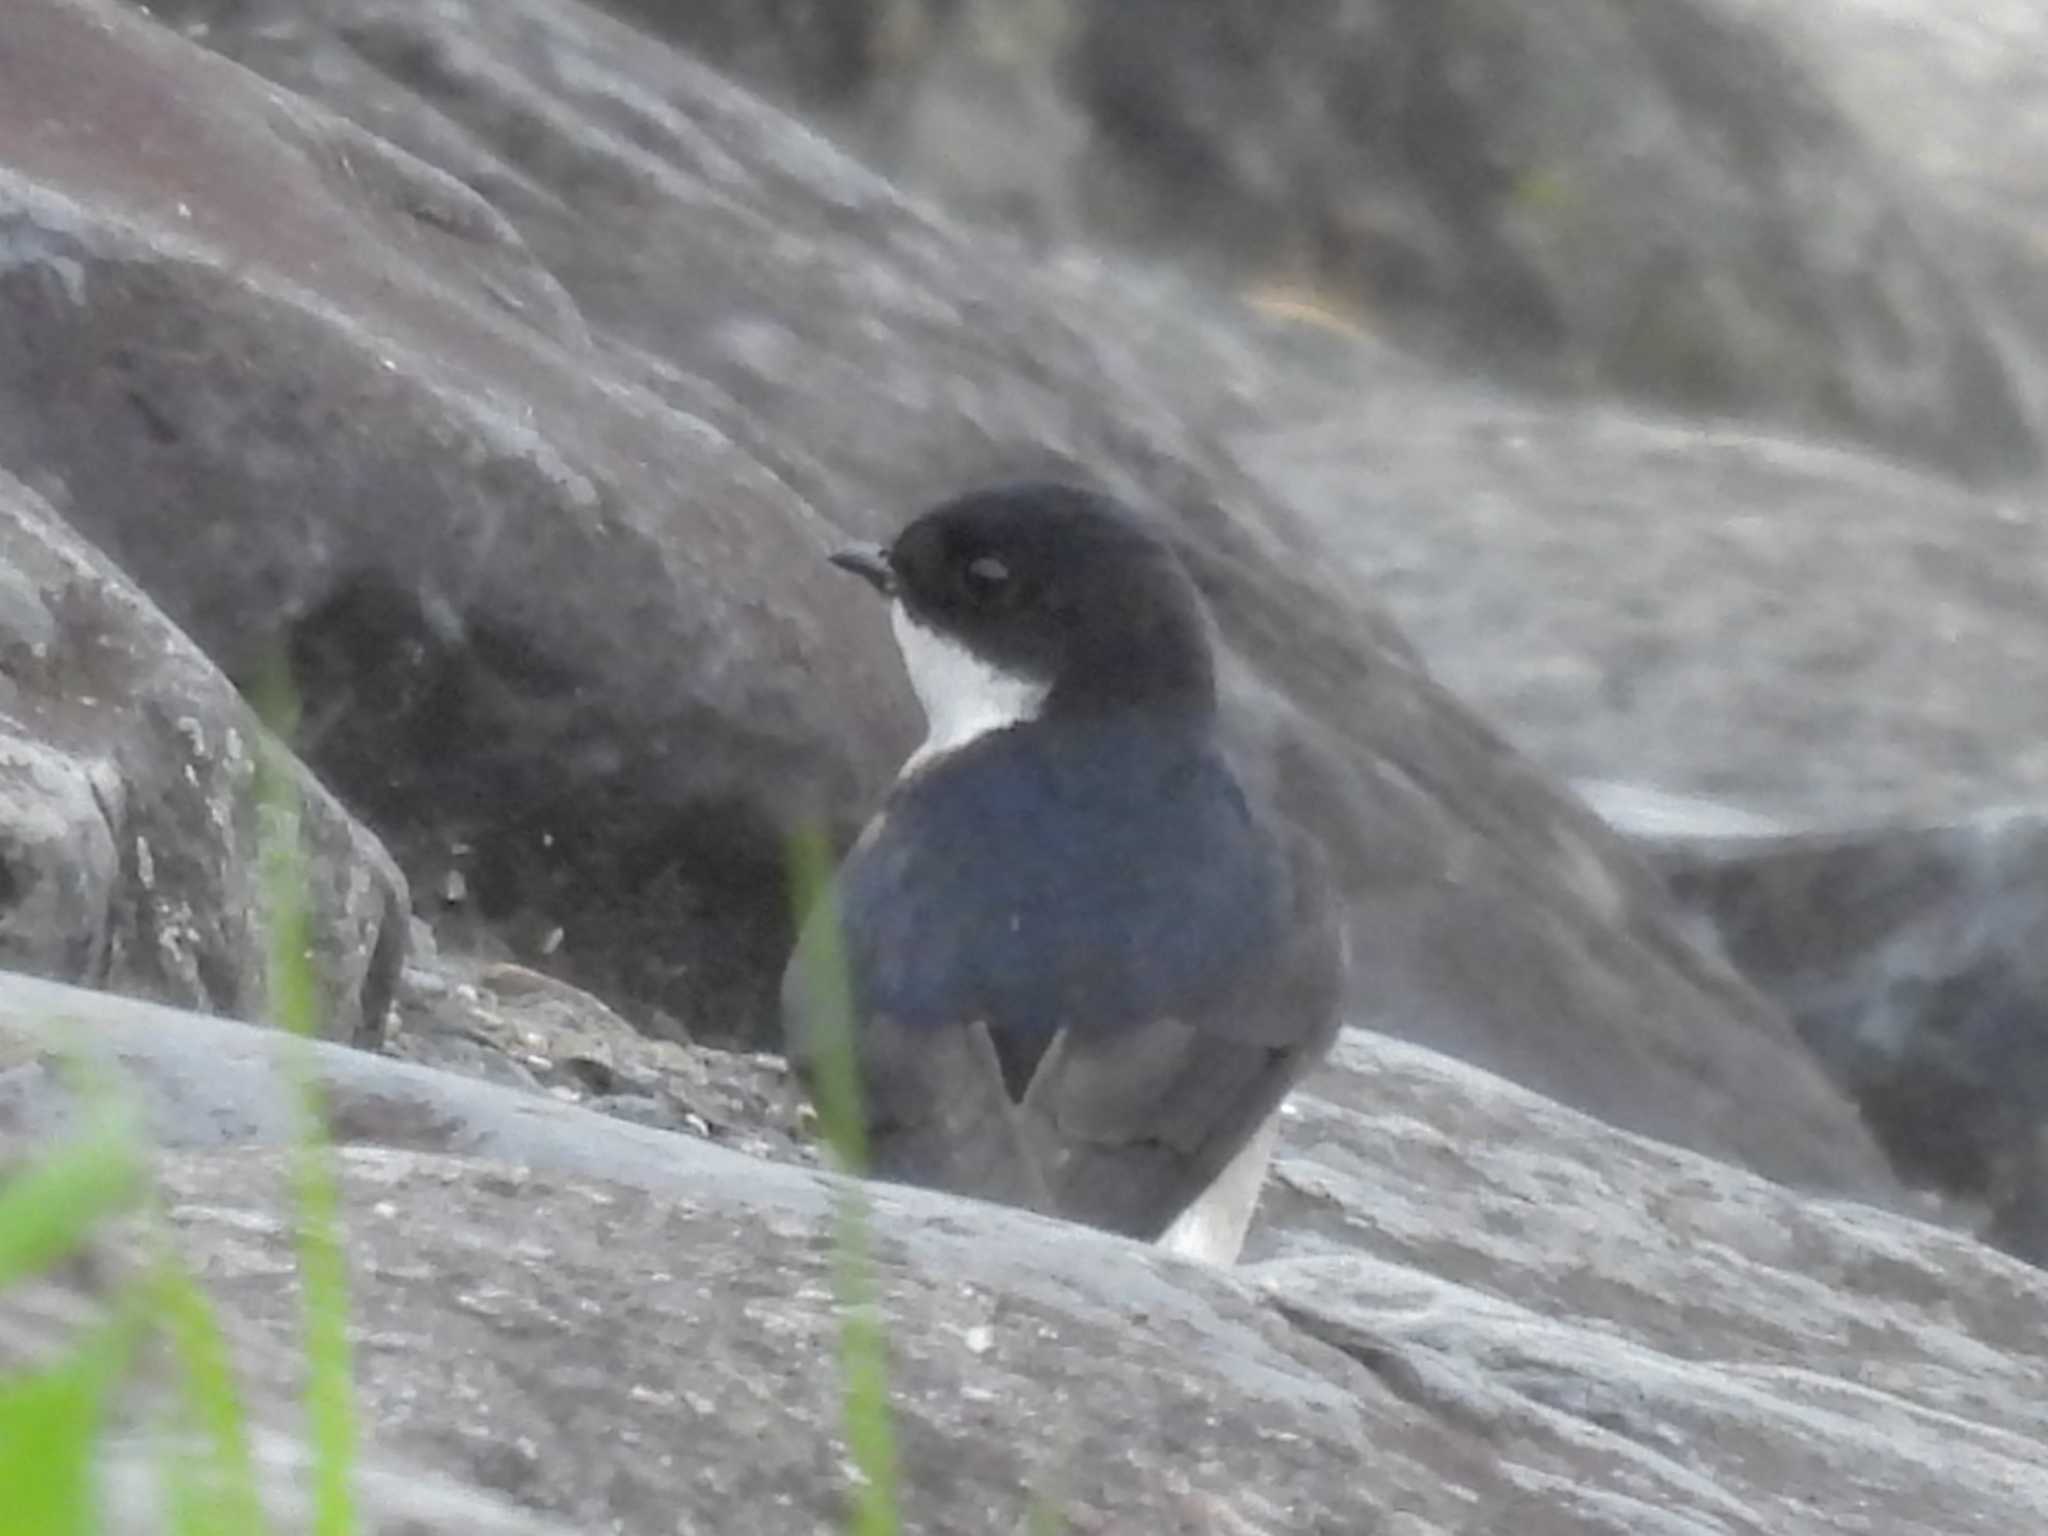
(963, 696)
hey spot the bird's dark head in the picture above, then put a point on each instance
(1041, 598)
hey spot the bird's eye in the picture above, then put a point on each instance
(984, 577)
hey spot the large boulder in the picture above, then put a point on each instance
(559, 642)
(1795, 677)
(1662, 196)
(131, 812)
(1957, 95)
(1694, 203)
(1483, 1312)
(530, 459)
(1801, 632)
(1955, 99)
(1910, 956)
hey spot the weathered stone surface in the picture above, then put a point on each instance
(1482, 1312)
(1958, 93)
(392, 1498)
(503, 1022)
(1679, 203)
(1660, 194)
(129, 808)
(1825, 665)
(557, 640)
(1798, 631)
(1955, 97)
(1911, 958)
(1567, 1302)
(821, 53)
(553, 583)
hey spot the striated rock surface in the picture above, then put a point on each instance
(318, 398)
(1801, 631)
(130, 813)
(1699, 204)
(1910, 956)
(526, 1030)
(1481, 1311)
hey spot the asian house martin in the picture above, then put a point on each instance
(1084, 964)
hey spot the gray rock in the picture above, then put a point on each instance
(130, 813)
(317, 395)
(1960, 95)
(1911, 957)
(1956, 97)
(820, 53)
(1664, 197)
(393, 1494)
(1562, 1302)
(512, 1025)
(1696, 204)
(1804, 633)
(554, 587)
(392, 1497)
(61, 865)
(1483, 1312)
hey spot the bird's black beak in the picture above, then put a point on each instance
(870, 562)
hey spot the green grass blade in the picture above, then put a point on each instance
(330, 1382)
(47, 1210)
(863, 1341)
(295, 1004)
(829, 986)
(49, 1423)
(864, 1378)
(215, 1491)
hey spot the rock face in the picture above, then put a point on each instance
(129, 805)
(1779, 625)
(1959, 96)
(1826, 666)
(1676, 204)
(505, 1023)
(527, 420)
(1660, 196)
(1482, 1312)
(320, 396)
(1910, 957)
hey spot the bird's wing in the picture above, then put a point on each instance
(934, 1107)
(1128, 1128)
(1125, 1117)
(938, 1114)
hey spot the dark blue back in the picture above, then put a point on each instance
(1092, 875)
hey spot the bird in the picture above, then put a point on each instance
(1083, 963)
